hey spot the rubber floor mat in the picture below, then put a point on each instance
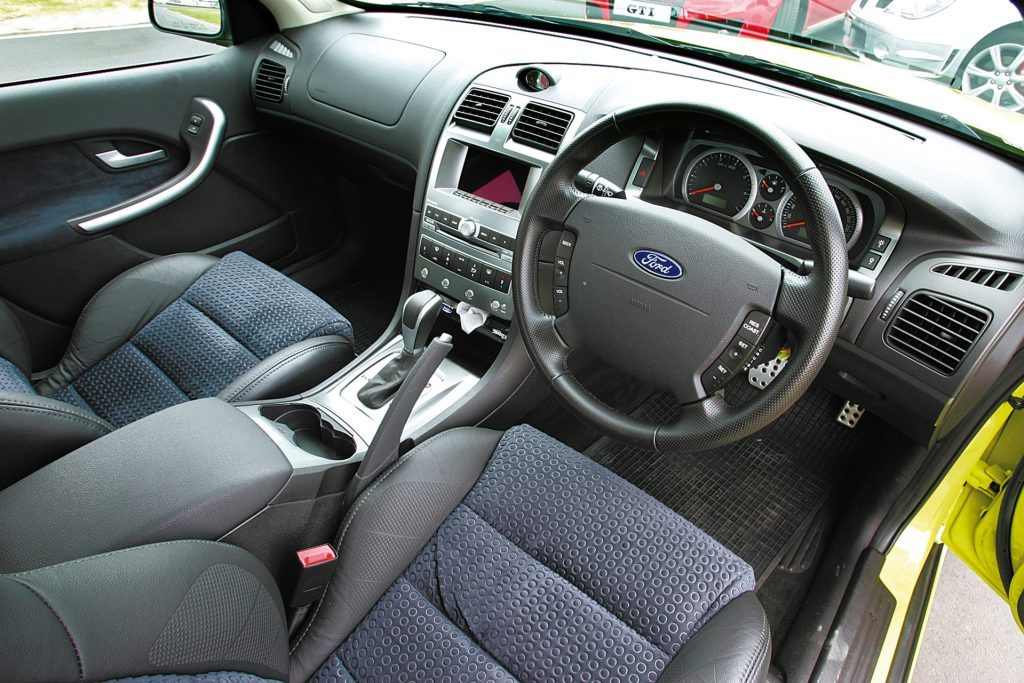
(755, 496)
(369, 306)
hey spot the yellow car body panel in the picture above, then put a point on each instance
(955, 513)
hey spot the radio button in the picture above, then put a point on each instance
(565, 245)
(560, 296)
(561, 272)
(468, 227)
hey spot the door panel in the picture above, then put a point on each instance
(262, 196)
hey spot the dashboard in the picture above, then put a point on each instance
(469, 114)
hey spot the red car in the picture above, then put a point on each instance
(748, 17)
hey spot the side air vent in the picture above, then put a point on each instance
(542, 126)
(481, 109)
(270, 80)
(1003, 280)
(936, 330)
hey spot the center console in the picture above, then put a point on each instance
(487, 162)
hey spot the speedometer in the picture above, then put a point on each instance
(795, 223)
(720, 181)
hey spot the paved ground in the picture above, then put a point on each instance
(30, 57)
(971, 635)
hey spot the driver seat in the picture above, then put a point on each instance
(477, 556)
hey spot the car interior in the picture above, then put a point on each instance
(401, 344)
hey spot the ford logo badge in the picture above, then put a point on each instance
(657, 264)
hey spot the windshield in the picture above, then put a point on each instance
(954, 63)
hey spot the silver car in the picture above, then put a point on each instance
(976, 46)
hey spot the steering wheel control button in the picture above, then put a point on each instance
(565, 245)
(561, 274)
(715, 377)
(560, 297)
(754, 327)
(737, 354)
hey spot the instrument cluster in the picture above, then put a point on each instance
(735, 183)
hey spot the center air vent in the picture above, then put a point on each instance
(542, 126)
(481, 109)
(936, 330)
(1003, 280)
(269, 83)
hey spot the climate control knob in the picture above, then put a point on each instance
(468, 227)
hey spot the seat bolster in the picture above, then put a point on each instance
(387, 527)
(122, 308)
(291, 370)
(13, 341)
(181, 607)
(734, 646)
(37, 430)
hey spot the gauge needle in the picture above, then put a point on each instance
(795, 225)
(756, 214)
(702, 190)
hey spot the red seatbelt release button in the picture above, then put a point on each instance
(313, 572)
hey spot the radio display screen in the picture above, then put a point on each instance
(494, 178)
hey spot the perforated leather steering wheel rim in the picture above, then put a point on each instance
(809, 307)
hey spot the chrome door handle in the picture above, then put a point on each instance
(114, 159)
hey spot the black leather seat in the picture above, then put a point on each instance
(173, 329)
(478, 556)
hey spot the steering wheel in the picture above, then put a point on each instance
(671, 298)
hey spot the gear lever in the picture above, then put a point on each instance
(418, 317)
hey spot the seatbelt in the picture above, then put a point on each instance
(317, 565)
(385, 448)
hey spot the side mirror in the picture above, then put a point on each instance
(202, 19)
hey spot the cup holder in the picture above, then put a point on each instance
(310, 430)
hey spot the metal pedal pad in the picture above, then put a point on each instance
(850, 414)
(760, 376)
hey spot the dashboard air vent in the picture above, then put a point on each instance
(269, 82)
(1003, 280)
(936, 330)
(542, 126)
(481, 109)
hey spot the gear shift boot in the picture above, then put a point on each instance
(418, 317)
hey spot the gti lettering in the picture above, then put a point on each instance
(640, 10)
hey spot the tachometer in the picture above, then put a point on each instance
(720, 181)
(795, 223)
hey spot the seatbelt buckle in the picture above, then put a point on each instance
(313, 572)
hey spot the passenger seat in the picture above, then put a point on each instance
(174, 329)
